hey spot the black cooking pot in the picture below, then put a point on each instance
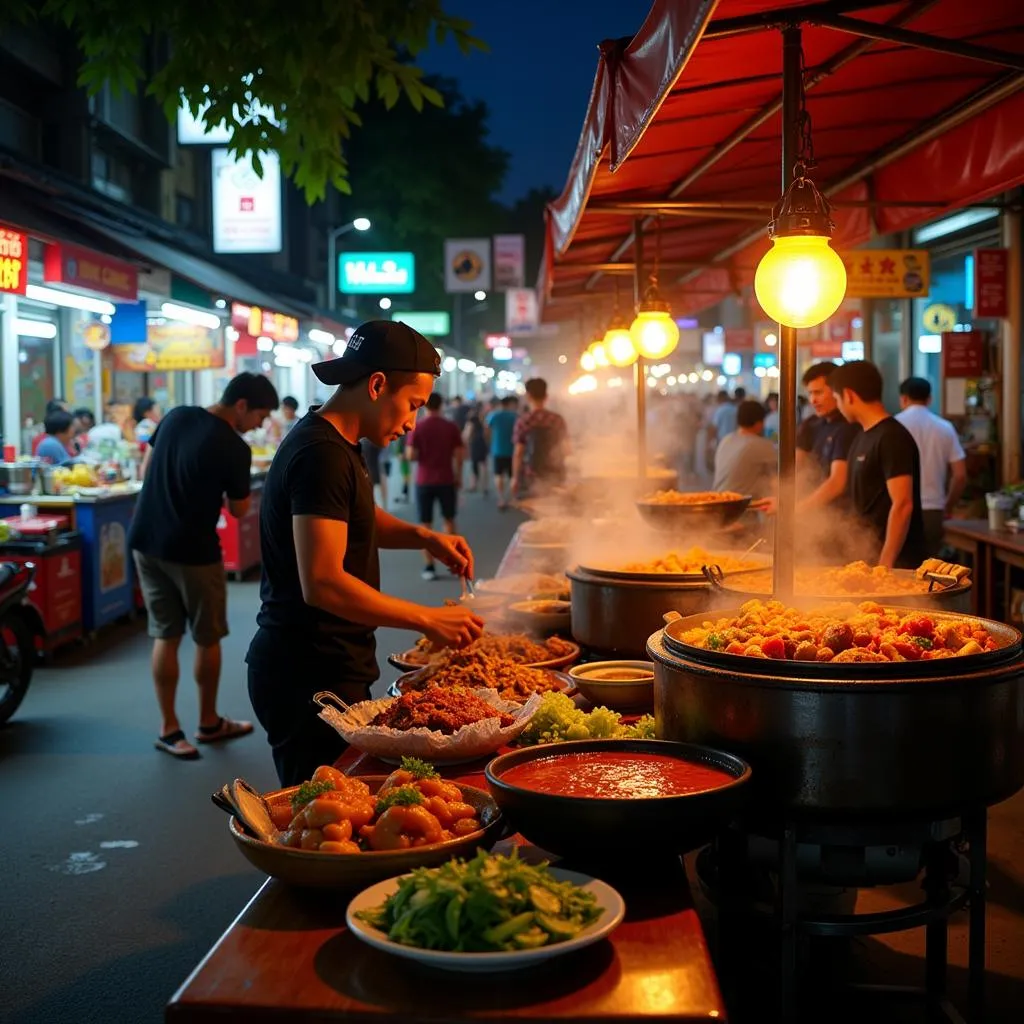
(596, 828)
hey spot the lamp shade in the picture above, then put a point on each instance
(597, 350)
(587, 362)
(618, 344)
(800, 281)
(654, 333)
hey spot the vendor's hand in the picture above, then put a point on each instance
(452, 551)
(452, 627)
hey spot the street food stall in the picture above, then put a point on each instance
(793, 733)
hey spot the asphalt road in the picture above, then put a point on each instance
(117, 870)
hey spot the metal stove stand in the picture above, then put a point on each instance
(724, 871)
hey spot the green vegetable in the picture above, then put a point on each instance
(309, 791)
(714, 642)
(558, 719)
(487, 904)
(400, 796)
(924, 642)
(419, 769)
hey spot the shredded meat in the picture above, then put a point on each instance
(443, 709)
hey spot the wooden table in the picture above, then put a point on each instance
(288, 956)
(987, 547)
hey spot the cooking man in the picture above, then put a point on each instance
(319, 534)
(884, 469)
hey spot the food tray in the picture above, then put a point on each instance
(312, 869)
(468, 743)
(739, 664)
(761, 562)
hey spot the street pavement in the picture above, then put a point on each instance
(118, 874)
(117, 871)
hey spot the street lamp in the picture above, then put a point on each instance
(359, 224)
(385, 303)
(480, 295)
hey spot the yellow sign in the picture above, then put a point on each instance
(938, 318)
(96, 336)
(887, 273)
(172, 347)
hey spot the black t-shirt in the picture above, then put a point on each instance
(877, 455)
(827, 438)
(197, 459)
(315, 472)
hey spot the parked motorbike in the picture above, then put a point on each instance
(17, 642)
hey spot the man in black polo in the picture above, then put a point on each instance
(319, 534)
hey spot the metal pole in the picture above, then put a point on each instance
(1009, 348)
(332, 267)
(785, 527)
(639, 377)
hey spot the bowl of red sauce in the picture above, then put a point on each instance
(592, 798)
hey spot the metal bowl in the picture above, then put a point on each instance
(704, 515)
(619, 685)
(541, 616)
(314, 870)
(595, 828)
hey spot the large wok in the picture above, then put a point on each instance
(852, 742)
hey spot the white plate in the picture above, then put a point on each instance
(610, 902)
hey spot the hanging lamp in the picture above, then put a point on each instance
(618, 342)
(654, 333)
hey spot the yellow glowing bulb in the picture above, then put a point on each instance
(587, 362)
(654, 333)
(801, 280)
(597, 350)
(618, 343)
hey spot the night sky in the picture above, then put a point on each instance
(537, 76)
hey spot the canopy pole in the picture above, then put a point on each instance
(639, 381)
(785, 524)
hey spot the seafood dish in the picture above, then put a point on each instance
(615, 775)
(335, 813)
(691, 497)
(512, 681)
(490, 904)
(691, 563)
(853, 634)
(854, 578)
(442, 709)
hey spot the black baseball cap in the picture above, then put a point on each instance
(380, 346)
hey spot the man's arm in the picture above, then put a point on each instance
(320, 546)
(833, 487)
(901, 493)
(957, 483)
(238, 490)
(518, 457)
(397, 534)
(458, 458)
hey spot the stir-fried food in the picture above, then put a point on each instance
(842, 634)
(691, 497)
(690, 563)
(513, 682)
(443, 709)
(844, 581)
(334, 813)
(494, 647)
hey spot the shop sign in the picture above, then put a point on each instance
(840, 326)
(887, 273)
(172, 346)
(433, 325)
(509, 261)
(263, 322)
(96, 336)
(963, 353)
(826, 350)
(13, 261)
(938, 318)
(246, 207)
(467, 264)
(75, 265)
(376, 273)
(493, 341)
(739, 339)
(521, 313)
(991, 277)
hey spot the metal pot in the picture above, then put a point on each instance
(852, 742)
(616, 616)
(17, 477)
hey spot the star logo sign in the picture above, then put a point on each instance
(887, 266)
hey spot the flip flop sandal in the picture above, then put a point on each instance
(227, 729)
(176, 745)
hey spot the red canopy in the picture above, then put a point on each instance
(689, 111)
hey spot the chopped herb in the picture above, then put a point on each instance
(419, 769)
(309, 791)
(402, 796)
(924, 642)
(715, 642)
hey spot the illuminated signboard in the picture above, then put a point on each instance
(433, 325)
(376, 273)
(246, 207)
(13, 261)
(263, 323)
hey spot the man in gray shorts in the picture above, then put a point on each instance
(196, 459)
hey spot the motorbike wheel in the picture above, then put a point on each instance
(17, 655)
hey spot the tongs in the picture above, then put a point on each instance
(468, 589)
(324, 699)
(241, 801)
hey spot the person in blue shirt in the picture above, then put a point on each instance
(60, 428)
(501, 424)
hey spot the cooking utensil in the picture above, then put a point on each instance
(312, 869)
(541, 617)
(693, 517)
(611, 572)
(595, 828)
(619, 685)
(915, 739)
